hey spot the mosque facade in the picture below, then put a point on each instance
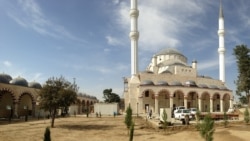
(20, 98)
(169, 81)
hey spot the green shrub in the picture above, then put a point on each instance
(246, 116)
(128, 117)
(165, 118)
(225, 119)
(206, 128)
(131, 135)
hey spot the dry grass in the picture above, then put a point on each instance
(112, 129)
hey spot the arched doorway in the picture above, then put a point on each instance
(78, 102)
(6, 103)
(192, 100)
(205, 102)
(216, 102)
(178, 98)
(87, 106)
(148, 102)
(164, 99)
(25, 106)
(226, 102)
(83, 106)
(91, 108)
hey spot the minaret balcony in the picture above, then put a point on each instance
(134, 13)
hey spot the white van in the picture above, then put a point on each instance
(178, 108)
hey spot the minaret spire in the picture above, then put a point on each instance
(221, 49)
(221, 11)
(134, 36)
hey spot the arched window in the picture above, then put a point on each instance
(146, 93)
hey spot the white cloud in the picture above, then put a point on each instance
(208, 65)
(243, 13)
(115, 1)
(213, 63)
(112, 41)
(7, 63)
(161, 23)
(122, 67)
(106, 50)
(28, 14)
(103, 70)
(37, 76)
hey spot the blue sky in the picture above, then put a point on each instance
(88, 39)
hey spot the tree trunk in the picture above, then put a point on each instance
(53, 117)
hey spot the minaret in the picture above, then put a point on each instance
(134, 35)
(221, 49)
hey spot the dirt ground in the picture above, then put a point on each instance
(81, 128)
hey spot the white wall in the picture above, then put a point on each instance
(106, 108)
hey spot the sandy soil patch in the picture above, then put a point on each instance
(112, 129)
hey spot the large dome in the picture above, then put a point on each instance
(169, 51)
(19, 81)
(5, 78)
(35, 85)
(169, 57)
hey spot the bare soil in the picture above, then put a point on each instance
(81, 128)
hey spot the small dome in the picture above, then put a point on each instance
(190, 83)
(177, 64)
(168, 51)
(5, 78)
(223, 88)
(166, 71)
(148, 71)
(176, 83)
(35, 85)
(147, 82)
(19, 81)
(162, 83)
(208, 77)
(213, 87)
(202, 86)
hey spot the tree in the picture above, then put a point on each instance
(225, 119)
(131, 135)
(246, 116)
(47, 135)
(128, 118)
(68, 96)
(241, 53)
(197, 115)
(110, 97)
(206, 128)
(56, 93)
(165, 118)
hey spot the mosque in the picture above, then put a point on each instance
(20, 98)
(169, 81)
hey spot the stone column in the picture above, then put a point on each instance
(199, 104)
(80, 109)
(16, 109)
(231, 103)
(211, 105)
(33, 109)
(221, 105)
(156, 104)
(171, 102)
(141, 108)
(140, 104)
(185, 102)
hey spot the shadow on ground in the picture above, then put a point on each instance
(86, 127)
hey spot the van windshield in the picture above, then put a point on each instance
(186, 111)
